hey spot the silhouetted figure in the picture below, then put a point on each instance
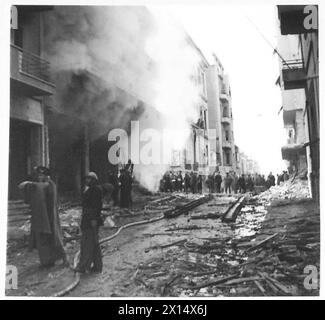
(125, 189)
(187, 182)
(228, 182)
(218, 181)
(90, 252)
(242, 184)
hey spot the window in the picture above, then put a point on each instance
(227, 135)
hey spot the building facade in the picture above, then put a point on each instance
(222, 142)
(30, 84)
(302, 75)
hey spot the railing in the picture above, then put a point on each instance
(33, 65)
(292, 64)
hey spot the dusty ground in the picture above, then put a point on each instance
(187, 256)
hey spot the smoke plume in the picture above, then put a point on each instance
(119, 63)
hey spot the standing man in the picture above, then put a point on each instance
(194, 182)
(228, 182)
(90, 252)
(242, 184)
(200, 183)
(46, 233)
(125, 189)
(270, 180)
(187, 182)
(218, 181)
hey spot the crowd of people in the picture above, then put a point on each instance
(216, 182)
(190, 182)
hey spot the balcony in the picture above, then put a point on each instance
(226, 144)
(292, 151)
(293, 74)
(224, 96)
(226, 119)
(29, 73)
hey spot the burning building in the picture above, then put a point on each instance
(112, 67)
(110, 72)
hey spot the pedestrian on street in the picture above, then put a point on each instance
(242, 184)
(194, 182)
(187, 182)
(90, 252)
(200, 183)
(125, 189)
(250, 183)
(179, 181)
(46, 233)
(270, 180)
(228, 182)
(218, 181)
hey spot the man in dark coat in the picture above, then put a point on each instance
(125, 189)
(179, 181)
(187, 182)
(270, 180)
(228, 182)
(200, 184)
(194, 182)
(90, 252)
(218, 181)
(46, 233)
(250, 183)
(242, 184)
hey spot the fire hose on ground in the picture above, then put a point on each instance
(167, 214)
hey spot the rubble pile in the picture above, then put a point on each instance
(289, 189)
(264, 255)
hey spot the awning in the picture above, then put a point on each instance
(292, 151)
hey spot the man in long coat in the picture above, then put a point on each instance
(46, 233)
(92, 201)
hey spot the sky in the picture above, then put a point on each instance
(233, 34)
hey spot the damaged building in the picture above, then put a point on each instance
(299, 82)
(30, 85)
(64, 105)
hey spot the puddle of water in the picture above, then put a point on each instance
(249, 221)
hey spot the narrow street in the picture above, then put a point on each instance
(163, 151)
(197, 254)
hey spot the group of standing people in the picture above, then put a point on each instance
(122, 186)
(191, 182)
(282, 177)
(215, 182)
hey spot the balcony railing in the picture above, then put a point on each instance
(293, 74)
(292, 64)
(33, 65)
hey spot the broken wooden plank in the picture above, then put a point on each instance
(261, 243)
(270, 284)
(214, 282)
(232, 212)
(259, 286)
(278, 284)
(176, 243)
